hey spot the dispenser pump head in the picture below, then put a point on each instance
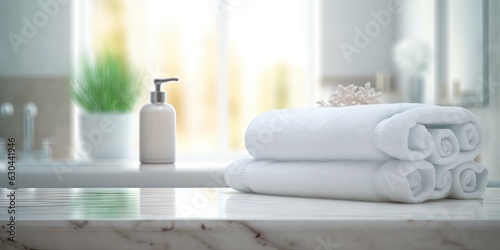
(158, 95)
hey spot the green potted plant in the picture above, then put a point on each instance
(106, 90)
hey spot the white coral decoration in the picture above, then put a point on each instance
(352, 95)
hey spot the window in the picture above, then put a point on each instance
(230, 61)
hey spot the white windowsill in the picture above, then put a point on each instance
(186, 172)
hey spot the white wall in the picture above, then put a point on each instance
(35, 60)
(35, 38)
(340, 18)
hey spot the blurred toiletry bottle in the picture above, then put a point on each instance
(157, 128)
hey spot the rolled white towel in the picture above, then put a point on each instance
(469, 181)
(467, 136)
(470, 140)
(394, 180)
(378, 132)
(443, 182)
(447, 147)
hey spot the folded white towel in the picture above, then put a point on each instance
(463, 181)
(469, 181)
(394, 180)
(376, 132)
(470, 136)
(447, 147)
(443, 181)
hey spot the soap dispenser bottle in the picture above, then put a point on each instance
(157, 128)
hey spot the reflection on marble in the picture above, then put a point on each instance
(221, 218)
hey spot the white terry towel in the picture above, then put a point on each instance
(447, 147)
(463, 181)
(469, 181)
(443, 181)
(394, 180)
(470, 136)
(377, 132)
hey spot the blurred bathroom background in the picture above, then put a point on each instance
(237, 58)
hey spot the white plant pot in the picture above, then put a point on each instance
(105, 135)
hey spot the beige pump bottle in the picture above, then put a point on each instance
(157, 128)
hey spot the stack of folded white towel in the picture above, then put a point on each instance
(381, 152)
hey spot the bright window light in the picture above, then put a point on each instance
(234, 59)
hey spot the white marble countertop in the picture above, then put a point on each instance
(221, 218)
